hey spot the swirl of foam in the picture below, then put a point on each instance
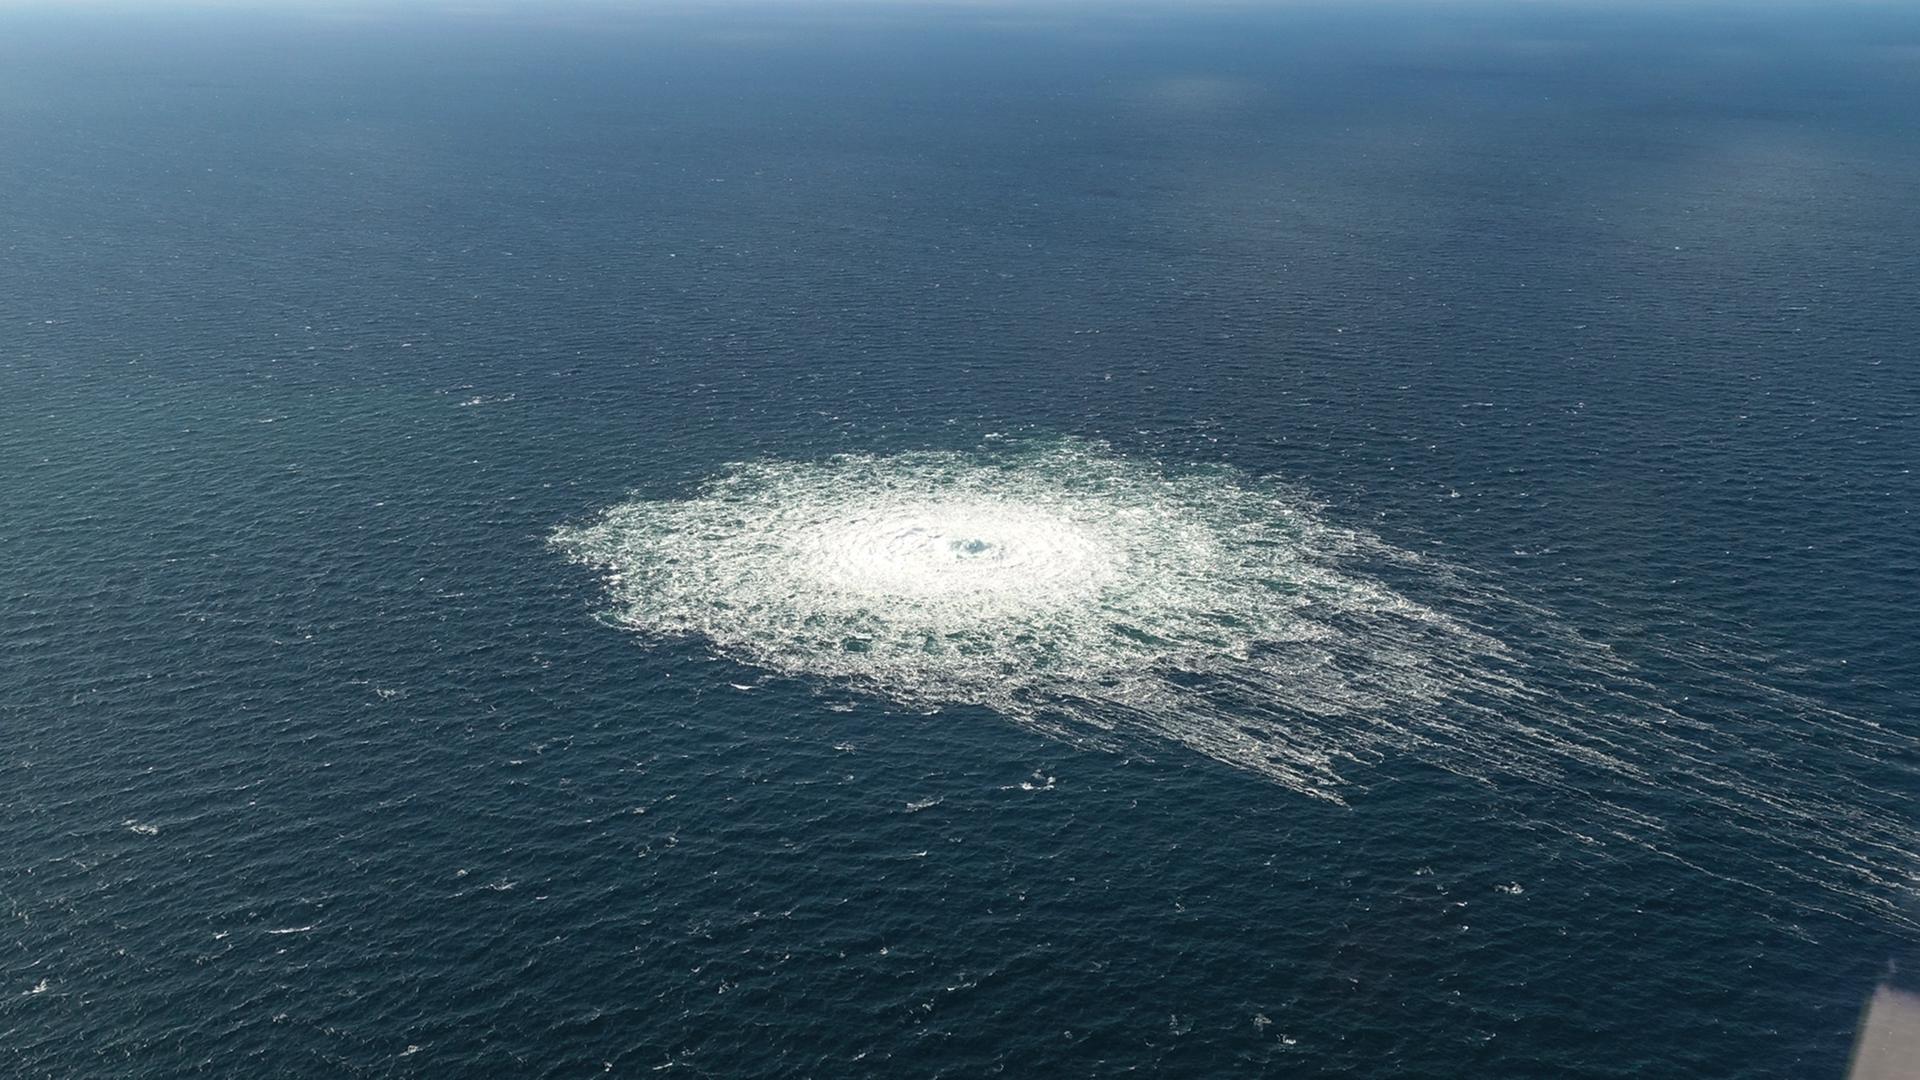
(1102, 600)
(985, 550)
(1070, 589)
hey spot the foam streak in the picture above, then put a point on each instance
(1106, 601)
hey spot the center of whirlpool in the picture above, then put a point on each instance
(994, 553)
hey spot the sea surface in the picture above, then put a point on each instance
(957, 541)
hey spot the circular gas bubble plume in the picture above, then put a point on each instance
(1102, 600)
(1066, 588)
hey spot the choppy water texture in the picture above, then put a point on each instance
(563, 540)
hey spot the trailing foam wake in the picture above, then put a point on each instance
(1099, 599)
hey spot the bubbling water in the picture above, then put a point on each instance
(986, 552)
(1072, 590)
(1113, 603)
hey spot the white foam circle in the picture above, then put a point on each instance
(1105, 600)
(1063, 586)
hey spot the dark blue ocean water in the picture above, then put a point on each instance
(318, 759)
